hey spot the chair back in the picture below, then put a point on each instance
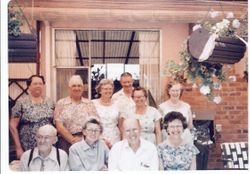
(235, 155)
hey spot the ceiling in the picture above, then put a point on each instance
(107, 46)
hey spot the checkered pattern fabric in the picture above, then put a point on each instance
(235, 155)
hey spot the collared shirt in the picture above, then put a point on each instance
(123, 101)
(122, 157)
(50, 162)
(72, 115)
(91, 158)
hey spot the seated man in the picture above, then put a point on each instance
(91, 153)
(133, 153)
(45, 157)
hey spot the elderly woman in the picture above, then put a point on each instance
(71, 113)
(148, 116)
(108, 111)
(29, 113)
(174, 153)
(174, 103)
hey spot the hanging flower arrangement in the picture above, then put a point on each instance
(205, 75)
(14, 22)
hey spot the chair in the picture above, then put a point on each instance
(235, 155)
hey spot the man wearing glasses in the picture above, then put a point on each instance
(91, 153)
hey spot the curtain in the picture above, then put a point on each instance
(149, 53)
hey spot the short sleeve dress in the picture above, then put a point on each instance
(147, 122)
(32, 116)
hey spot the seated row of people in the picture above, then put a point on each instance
(131, 153)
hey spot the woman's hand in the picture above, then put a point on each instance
(19, 152)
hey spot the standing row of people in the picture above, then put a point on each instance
(110, 110)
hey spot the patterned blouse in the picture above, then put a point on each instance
(176, 158)
(72, 115)
(32, 116)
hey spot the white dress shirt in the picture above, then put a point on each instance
(122, 157)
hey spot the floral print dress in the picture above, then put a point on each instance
(32, 116)
(176, 158)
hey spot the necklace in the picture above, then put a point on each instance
(176, 105)
(105, 103)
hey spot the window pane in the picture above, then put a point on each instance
(134, 70)
(114, 71)
(63, 76)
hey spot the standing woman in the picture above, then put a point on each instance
(174, 153)
(174, 103)
(30, 113)
(109, 113)
(148, 116)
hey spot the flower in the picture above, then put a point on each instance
(205, 90)
(217, 99)
(236, 23)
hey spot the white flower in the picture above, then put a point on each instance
(230, 15)
(205, 90)
(214, 14)
(217, 99)
(232, 78)
(236, 23)
(197, 26)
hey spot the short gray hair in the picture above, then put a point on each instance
(75, 79)
(48, 127)
(103, 82)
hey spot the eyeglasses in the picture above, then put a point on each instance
(93, 130)
(142, 96)
(46, 138)
(131, 130)
(176, 126)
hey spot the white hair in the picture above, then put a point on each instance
(49, 127)
(75, 79)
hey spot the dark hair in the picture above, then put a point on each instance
(125, 74)
(171, 116)
(94, 121)
(140, 89)
(29, 80)
(170, 85)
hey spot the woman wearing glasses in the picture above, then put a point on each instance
(174, 153)
(109, 113)
(91, 153)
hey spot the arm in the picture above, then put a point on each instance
(60, 127)
(120, 122)
(190, 120)
(14, 132)
(158, 132)
(193, 163)
(113, 160)
(75, 161)
(64, 161)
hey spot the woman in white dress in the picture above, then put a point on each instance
(108, 111)
(174, 103)
(148, 116)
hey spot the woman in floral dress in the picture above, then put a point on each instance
(109, 113)
(174, 153)
(148, 116)
(29, 113)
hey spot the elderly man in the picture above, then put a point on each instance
(45, 157)
(133, 153)
(124, 96)
(71, 113)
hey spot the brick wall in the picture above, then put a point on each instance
(231, 113)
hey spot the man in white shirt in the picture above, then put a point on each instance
(124, 96)
(45, 157)
(133, 153)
